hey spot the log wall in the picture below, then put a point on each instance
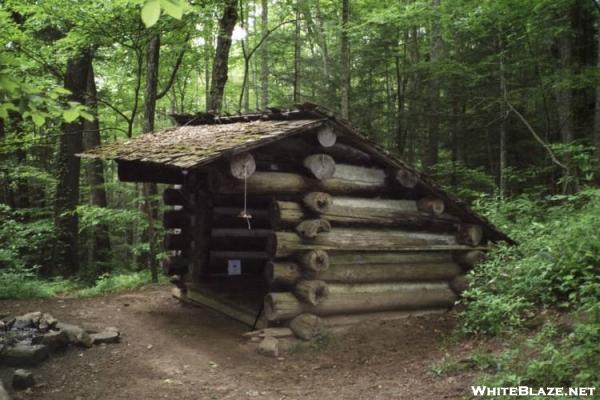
(333, 233)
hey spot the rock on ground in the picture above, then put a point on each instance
(22, 379)
(23, 355)
(54, 340)
(76, 334)
(269, 347)
(109, 335)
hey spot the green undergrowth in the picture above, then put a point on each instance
(542, 295)
(25, 284)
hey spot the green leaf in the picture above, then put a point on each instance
(150, 12)
(86, 115)
(38, 119)
(172, 7)
(70, 115)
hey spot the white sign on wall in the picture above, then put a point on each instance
(234, 267)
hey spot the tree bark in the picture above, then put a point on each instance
(221, 60)
(596, 133)
(150, 190)
(431, 151)
(345, 61)
(264, 56)
(66, 224)
(297, 55)
(100, 244)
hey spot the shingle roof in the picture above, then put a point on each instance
(195, 145)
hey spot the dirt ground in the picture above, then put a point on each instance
(172, 351)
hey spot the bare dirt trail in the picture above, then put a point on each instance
(171, 351)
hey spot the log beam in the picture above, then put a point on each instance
(285, 306)
(242, 165)
(321, 166)
(313, 292)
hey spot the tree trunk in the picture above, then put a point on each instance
(432, 147)
(221, 60)
(345, 61)
(100, 244)
(297, 55)
(150, 190)
(66, 224)
(503, 94)
(264, 56)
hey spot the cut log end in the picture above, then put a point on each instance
(326, 136)
(312, 227)
(242, 165)
(407, 178)
(314, 261)
(470, 234)
(469, 259)
(459, 284)
(322, 166)
(318, 201)
(312, 292)
(431, 205)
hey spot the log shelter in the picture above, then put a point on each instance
(278, 214)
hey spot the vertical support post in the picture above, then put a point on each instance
(200, 208)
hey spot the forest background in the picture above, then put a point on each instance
(498, 100)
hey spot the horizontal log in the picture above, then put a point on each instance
(284, 306)
(459, 284)
(434, 257)
(359, 273)
(312, 292)
(310, 228)
(346, 179)
(272, 332)
(296, 148)
(285, 213)
(281, 244)
(129, 171)
(406, 178)
(470, 234)
(431, 205)
(469, 259)
(175, 265)
(239, 238)
(232, 217)
(362, 211)
(177, 219)
(282, 274)
(242, 165)
(373, 317)
(326, 136)
(175, 197)
(382, 287)
(313, 262)
(174, 241)
(321, 166)
(253, 262)
(286, 274)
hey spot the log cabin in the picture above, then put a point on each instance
(280, 217)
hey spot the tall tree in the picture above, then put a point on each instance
(221, 60)
(264, 56)
(430, 157)
(345, 61)
(66, 224)
(100, 242)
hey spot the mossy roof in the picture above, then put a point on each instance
(195, 145)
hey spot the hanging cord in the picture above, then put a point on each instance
(244, 214)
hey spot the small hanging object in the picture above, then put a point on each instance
(244, 214)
